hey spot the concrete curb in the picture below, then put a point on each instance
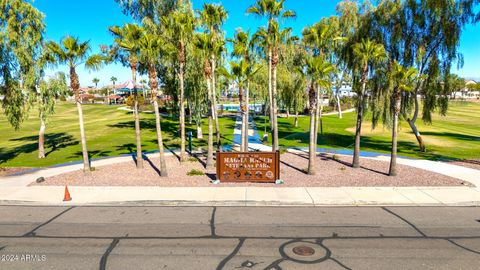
(244, 196)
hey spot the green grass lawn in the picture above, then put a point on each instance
(109, 132)
(455, 136)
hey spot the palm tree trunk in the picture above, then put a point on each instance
(393, 158)
(152, 72)
(358, 129)
(137, 120)
(241, 100)
(215, 112)
(75, 84)
(41, 140)
(270, 96)
(317, 115)
(183, 156)
(209, 164)
(312, 151)
(275, 110)
(86, 160)
(247, 114)
(163, 164)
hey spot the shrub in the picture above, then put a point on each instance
(130, 100)
(195, 172)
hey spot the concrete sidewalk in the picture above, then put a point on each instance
(245, 196)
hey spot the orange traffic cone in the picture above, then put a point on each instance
(67, 197)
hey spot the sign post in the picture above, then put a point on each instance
(261, 167)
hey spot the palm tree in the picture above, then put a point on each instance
(367, 53)
(150, 49)
(113, 79)
(72, 52)
(320, 39)
(203, 43)
(319, 72)
(213, 16)
(403, 80)
(241, 73)
(272, 10)
(243, 48)
(127, 40)
(143, 82)
(96, 81)
(179, 26)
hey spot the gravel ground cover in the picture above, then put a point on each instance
(332, 171)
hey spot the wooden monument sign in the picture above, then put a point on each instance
(248, 166)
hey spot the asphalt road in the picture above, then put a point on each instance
(157, 237)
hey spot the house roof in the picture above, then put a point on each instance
(128, 85)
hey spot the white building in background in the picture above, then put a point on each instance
(346, 90)
(465, 93)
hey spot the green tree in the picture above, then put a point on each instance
(241, 73)
(346, 27)
(368, 55)
(127, 41)
(203, 42)
(151, 9)
(428, 40)
(179, 26)
(113, 79)
(292, 82)
(319, 72)
(243, 48)
(403, 81)
(213, 16)
(270, 41)
(96, 81)
(48, 92)
(272, 10)
(320, 40)
(22, 30)
(72, 52)
(150, 50)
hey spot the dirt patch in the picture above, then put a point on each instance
(330, 173)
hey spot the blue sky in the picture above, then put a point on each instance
(89, 20)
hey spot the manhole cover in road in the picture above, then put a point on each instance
(303, 251)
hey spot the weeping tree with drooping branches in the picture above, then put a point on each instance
(424, 35)
(48, 92)
(22, 30)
